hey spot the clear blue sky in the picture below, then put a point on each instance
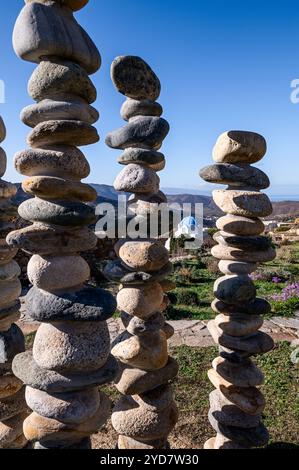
(223, 65)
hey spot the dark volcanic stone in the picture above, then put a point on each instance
(141, 156)
(255, 307)
(62, 213)
(134, 78)
(254, 437)
(245, 243)
(116, 271)
(25, 368)
(88, 304)
(235, 175)
(144, 132)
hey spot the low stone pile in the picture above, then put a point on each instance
(146, 413)
(237, 403)
(71, 351)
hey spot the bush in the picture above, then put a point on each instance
(187, 297)
(285, 308)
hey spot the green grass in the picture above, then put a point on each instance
(192, 390)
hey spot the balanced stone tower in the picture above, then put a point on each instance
(146, 413)
(13, 408)
(71, 352)
(236, 406)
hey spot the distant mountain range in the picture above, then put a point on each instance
(107, 193)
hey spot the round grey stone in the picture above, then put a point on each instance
(137, 179)
(134, 78)
(12, 342)
(148, 158)
(235, 175)
(51, 110)
(68, 408)
(138, 327)
(65, 132)
(143, 131)
(13, 405)
(235, 289)
(25, 368)
(229, 414)
(116, 271)
(243, 242)
(132, 108)
(87, 305)
(60, 77)
(239, 147)
(239, 225)
(73, 214)
(3, 162)
(2, 130)
(255, 307)
(85, 444)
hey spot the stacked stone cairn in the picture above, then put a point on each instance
(13, 408)
(237, 404)
(146, 413)
(71, 352)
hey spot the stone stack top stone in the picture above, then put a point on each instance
(47, 28)
(239, 147)
(236, 406)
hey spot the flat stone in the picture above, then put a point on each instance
(239, 325)
(72, 4)
(157, 399)
(235, 175)
(244, 203)
(64, 213)
(68, 408)
(141, 302)
(51, 133)
(235, 289)
(7, 190)
(3, 162)
(127, 443)
(8, 212)
(19, 443)
(148, 352)
(231, 268)
(48, 187)
(141, 422)
(73, 108)
(64, 161)
(57, 35)
(53, 382)
(229, 414)
(248, 438)
(84, 444)
(134, 381)
(11, 429)
(259, 343)
(137, 179)
(9, 385)
(45, 240)
(13, 405)
(134, 78)
(246, 374)
(11, 343)
(132, 108)
(9, 271)
(38, 428)
(86, 305)
(148, 158)
(255, 307)
(143, 131)
(243, 242)
(8, 316)
(146, 256)
(138, 327)
(228, 253)
(249, 399)
(56, 78)
(239, 147)
(72, 347)
(6, 227)
(9, 292)
(50, 273)
(239, 225)
(116, 271)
